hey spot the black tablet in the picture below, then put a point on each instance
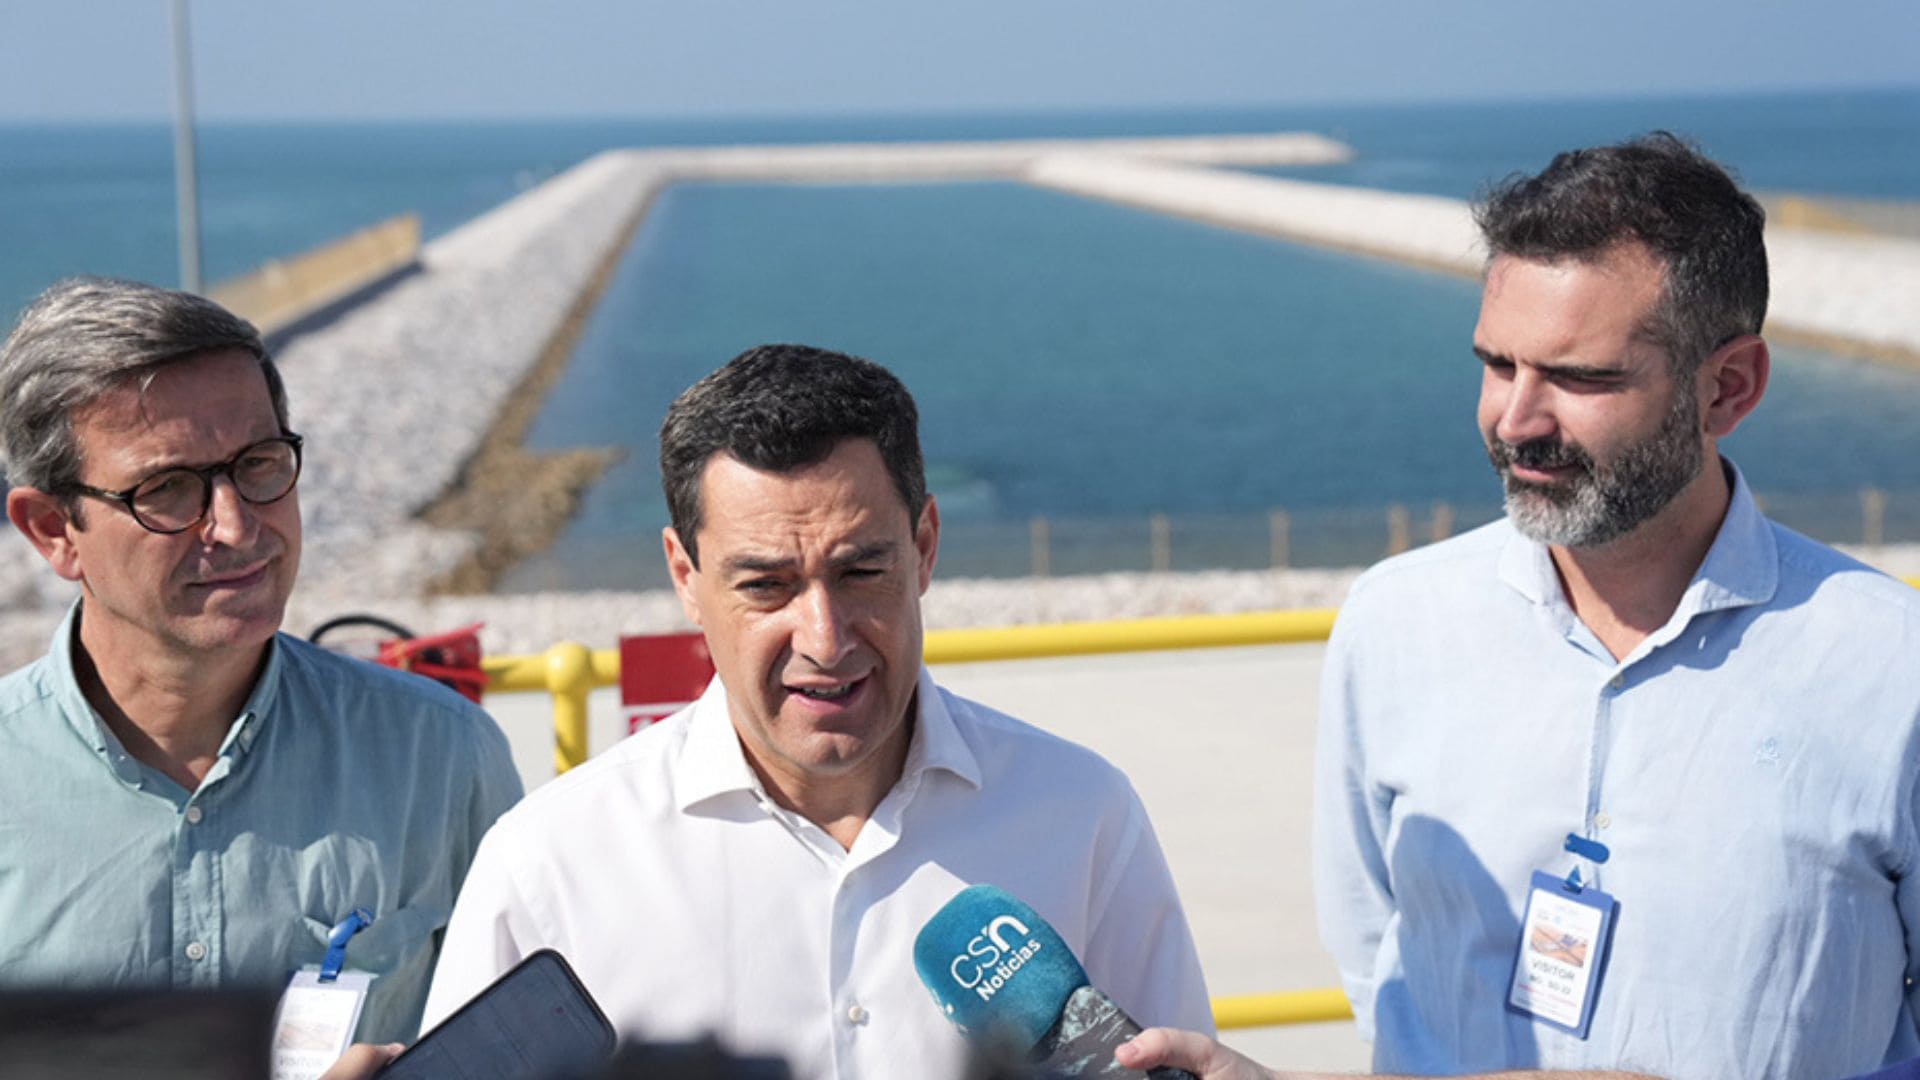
(535, 1022)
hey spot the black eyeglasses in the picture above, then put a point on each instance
(176, 499)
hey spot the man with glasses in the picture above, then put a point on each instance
(189, 798)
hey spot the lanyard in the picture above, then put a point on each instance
(357, 920)
(1591, 850)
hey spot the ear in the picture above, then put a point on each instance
(926, 540)
(684, 573)
(1731, 383)
(46, 523)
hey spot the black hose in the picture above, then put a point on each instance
(375, 621)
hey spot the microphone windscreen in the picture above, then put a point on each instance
(996, 969)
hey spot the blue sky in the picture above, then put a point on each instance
(381, 59)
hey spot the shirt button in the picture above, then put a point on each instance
(196, 951)
(194, 814)
(856, 1015)
(1602, 819)
(1617, 681)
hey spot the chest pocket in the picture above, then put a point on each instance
(387, 943)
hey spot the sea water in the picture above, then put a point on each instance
(1073, 360)
(1092, 365)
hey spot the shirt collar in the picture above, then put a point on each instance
(66, 689)
(266, 691)
(1742, 567)
(712, 763)
(93, 730)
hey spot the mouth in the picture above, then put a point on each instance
(244, 577)
(827, 694)
(1539, 463)
(1541, 474)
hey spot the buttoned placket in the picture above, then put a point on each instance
(847, 1016)
(1612, 689)
(1616, 679)
(199, 910)
(843, 1014)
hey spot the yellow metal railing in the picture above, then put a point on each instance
(570, 671)
(1285, 1007)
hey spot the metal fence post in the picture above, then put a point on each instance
(1160, 532)
(1873, 517)
(1399, 529)
(1037, 533)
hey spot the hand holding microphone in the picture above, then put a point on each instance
(1010, 984)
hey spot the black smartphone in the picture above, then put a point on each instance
(535, 1022)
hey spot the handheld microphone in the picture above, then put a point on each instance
(1010, 984)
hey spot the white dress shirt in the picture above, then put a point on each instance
(689, 903)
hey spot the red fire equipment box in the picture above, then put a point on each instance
(660, 674)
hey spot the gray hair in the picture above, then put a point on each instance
(85, 336)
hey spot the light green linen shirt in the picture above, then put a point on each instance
(341, 784)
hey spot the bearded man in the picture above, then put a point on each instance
(1627, 779)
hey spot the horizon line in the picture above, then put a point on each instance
(830, 113)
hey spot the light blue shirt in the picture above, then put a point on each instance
(1751, 767)
(340, 784)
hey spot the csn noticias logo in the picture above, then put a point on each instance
(992, 957)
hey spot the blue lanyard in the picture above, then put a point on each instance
(357, 920)
(1593, 850)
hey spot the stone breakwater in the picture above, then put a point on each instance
(1844, 290)
(396, 394)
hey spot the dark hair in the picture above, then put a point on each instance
(85, 336)
(781, 407)
(1662, 192)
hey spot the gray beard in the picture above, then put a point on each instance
(1602, 501)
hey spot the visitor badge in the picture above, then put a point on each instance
(317, 1016)
(1563, 952)
(314, 1024)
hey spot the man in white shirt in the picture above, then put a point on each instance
(757, 865)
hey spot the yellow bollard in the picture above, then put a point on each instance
(569, 678)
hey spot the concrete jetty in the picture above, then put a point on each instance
(1424, 230)
(962, 161)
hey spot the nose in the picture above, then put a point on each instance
(823, 634)
(230, 520)
(1523, 409)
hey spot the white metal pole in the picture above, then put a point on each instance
(185, 182)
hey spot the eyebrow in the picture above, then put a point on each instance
(882, 549)
(756, 564)
(155, 467)
(773, 564)
(1564, 371)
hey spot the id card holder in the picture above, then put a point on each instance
(1564, 938)
(320, 1009)
(314, 1024)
